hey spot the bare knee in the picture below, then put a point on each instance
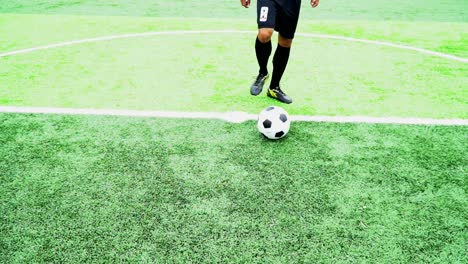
(264, 34)
(284, 42)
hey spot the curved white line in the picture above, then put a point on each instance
(233, 117)
(322, 36)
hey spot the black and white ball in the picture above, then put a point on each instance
(273, 122)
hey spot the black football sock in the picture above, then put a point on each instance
(263, 51)
(280, 60)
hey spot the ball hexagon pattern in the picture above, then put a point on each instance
(273, 122)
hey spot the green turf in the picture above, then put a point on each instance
(80, 189)
(25, 31)
(108, 189)
(325, 77)
(415, 10)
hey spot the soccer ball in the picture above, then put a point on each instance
(273, 122)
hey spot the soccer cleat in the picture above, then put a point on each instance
(279, 95)
(257, 86)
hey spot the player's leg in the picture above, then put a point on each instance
(263, 48)
(266, 19)
(280, 60)
(286, 26)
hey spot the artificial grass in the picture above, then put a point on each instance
(324, 77)
(108, 189)
(416, 10)
(115, 189)
(31, 30)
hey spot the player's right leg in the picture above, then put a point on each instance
(263, 52)
(266, 19)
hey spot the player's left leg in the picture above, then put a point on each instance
(286, 26)
(280, 60)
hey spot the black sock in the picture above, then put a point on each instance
(280, 60)
(263, 51)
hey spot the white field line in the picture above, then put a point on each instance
(234, 117)
(153, 33)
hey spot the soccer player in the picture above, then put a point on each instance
(281, 16)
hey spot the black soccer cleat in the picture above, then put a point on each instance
(257, 86)
(279, 95)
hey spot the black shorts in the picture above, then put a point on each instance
(271, 14)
